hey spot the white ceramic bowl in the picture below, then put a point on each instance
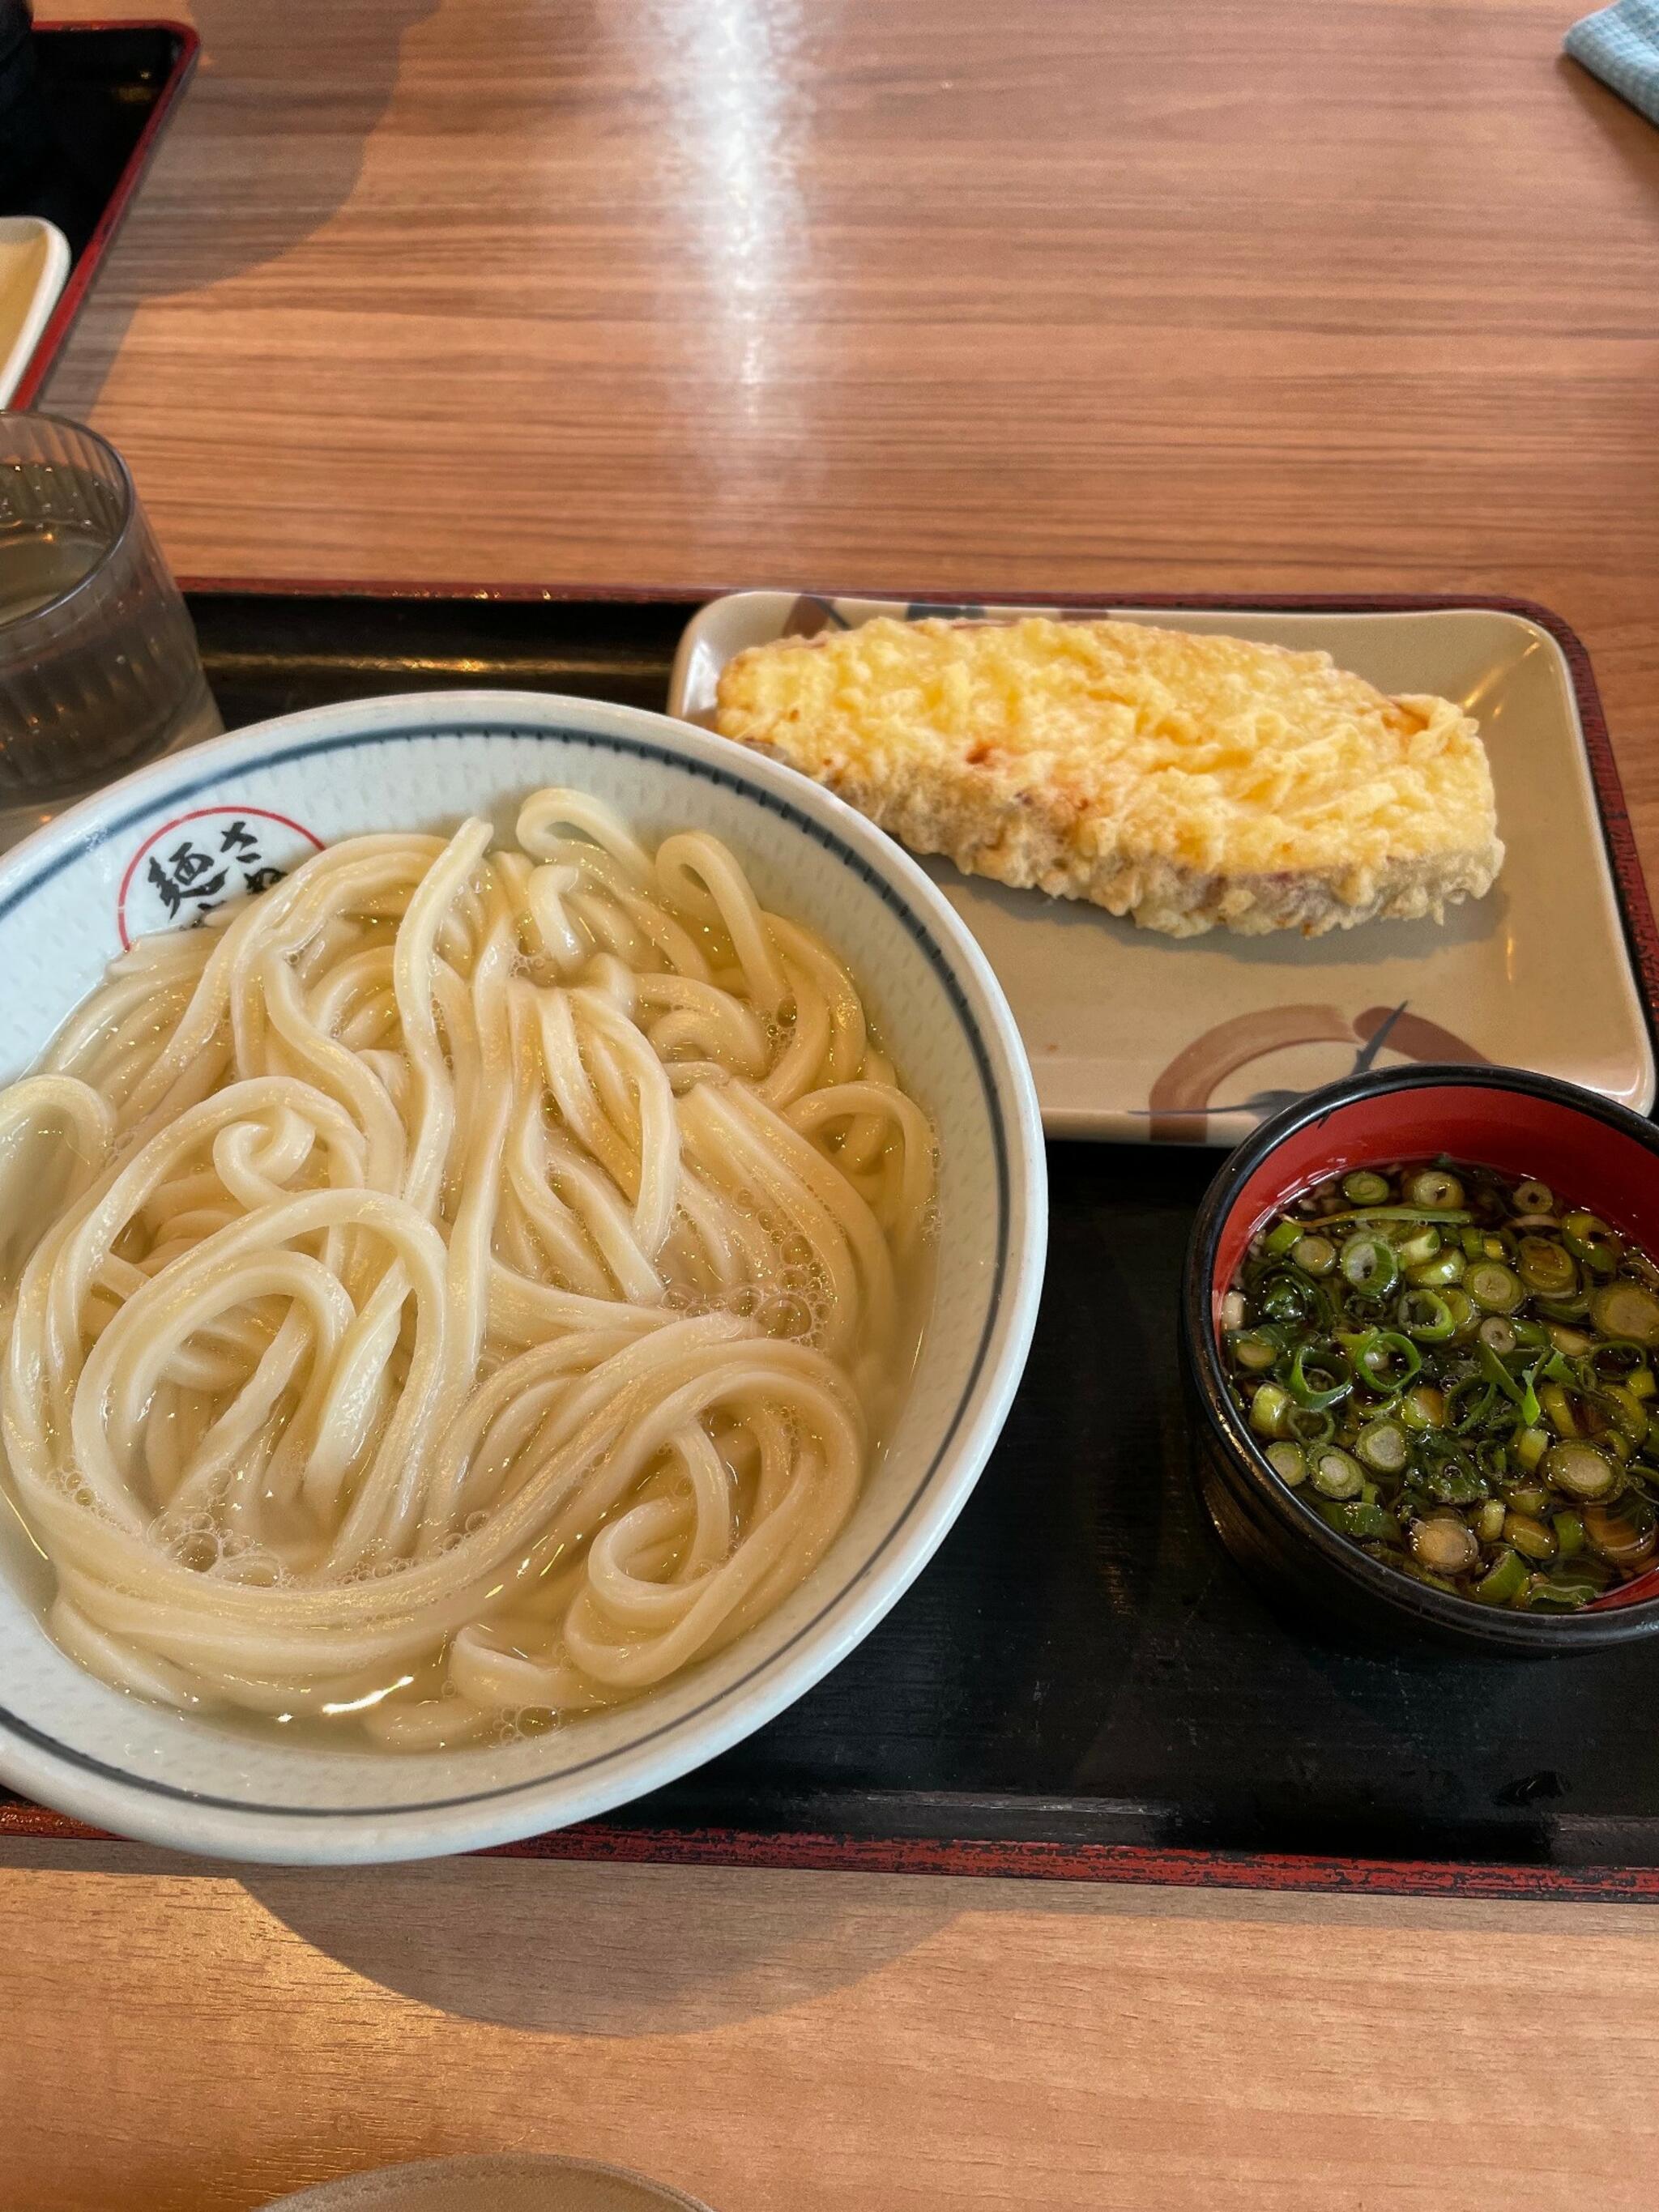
(147, 851)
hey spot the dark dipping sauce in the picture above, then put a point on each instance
(1454, 1370)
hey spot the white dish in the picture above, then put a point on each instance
(1135, 1036)
(71, 894)
(34, 266)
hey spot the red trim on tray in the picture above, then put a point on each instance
(969, 1858)
(82, 277)
(1144, 1864)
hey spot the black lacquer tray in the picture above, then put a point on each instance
(1082, 1684)
(108, 90)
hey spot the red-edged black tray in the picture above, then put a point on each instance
(110, 89)
(1082, 1685)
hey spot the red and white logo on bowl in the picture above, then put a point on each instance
(200, 860)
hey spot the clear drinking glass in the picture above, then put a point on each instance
(99, 666)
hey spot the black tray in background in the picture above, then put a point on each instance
(1081, 1665)
(107, 90)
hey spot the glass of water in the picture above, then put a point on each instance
(99, 666)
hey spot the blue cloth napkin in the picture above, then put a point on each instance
(1620, 45)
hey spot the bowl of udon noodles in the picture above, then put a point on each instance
(519, 1225)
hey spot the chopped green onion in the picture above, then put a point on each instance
(1287, 1463)
(1365, 1187)
(1492, 1458)
(1365, 1523)
(1519, 1394)
(1425, 1317)
(1310, 1424)
(1420, 1574)
(1557, 1411)
(1629, 1310)
(1436, 1274)
(1571, 1343)
(1315, 1255)
(1525, 1498)
(1389, 1361)
(1369, 1265)
(1269, 1408)
(1424, 1407)
(1531, 1411)
(1328, 1385)
(1336, 1474)
(1442, 1217)
(1503, 1580)
(1434, 1187)
(1624, 1530)
(1580, 1470)
(1590, 1239)
(1530, 1536)
(1292, 1297)
(1419, 1247)
(1253, 1350)
(1468, 1403)
(1627, 1413)
(1545, 1267)
(1613, 1360)
(1454, 1482)
(1572, 1309)
(1460, 1373)
(1563, 1590)
(1495, 1288)
(1444, 1545)
(1383, 1445)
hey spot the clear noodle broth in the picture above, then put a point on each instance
(458, 1288)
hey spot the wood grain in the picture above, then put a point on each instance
(1300, 294)
(195, 2041)
(1262, 294)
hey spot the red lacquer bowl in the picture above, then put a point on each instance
(1595, 1154)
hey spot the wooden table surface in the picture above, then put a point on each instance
(1321, 294)
(187, 2038)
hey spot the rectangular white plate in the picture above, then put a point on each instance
(1140, 1036)
(34, 262)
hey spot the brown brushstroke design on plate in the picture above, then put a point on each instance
(1179, 1102)
(809, 617)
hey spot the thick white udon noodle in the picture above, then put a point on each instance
(478, 1276)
